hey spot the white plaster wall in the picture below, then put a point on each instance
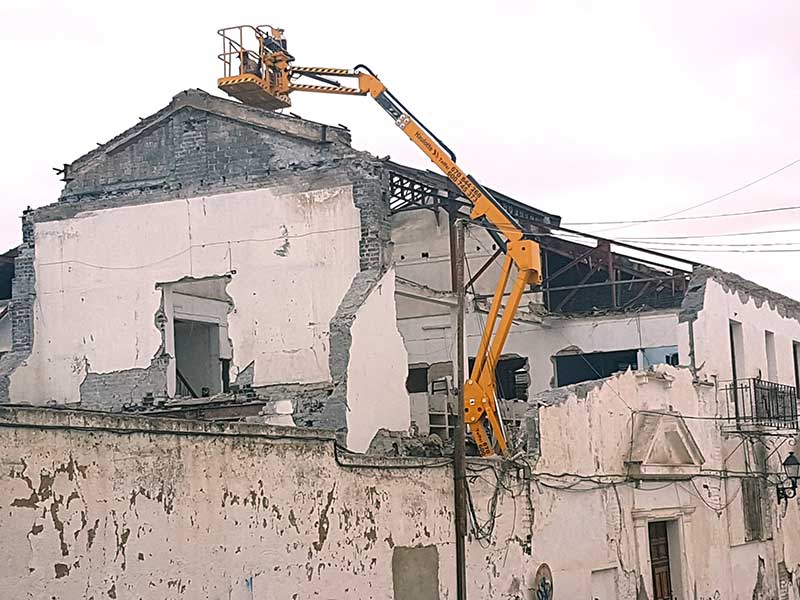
(376, 373)
(96, 275)
(430, 339)
(210, 514)
(190, 510)
(712, 338)
(587, 430)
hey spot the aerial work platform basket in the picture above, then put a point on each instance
(254, 61)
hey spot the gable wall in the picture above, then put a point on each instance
(203, 188)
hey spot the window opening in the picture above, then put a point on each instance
(772, 361)
(575, 368)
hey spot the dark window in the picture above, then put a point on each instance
(417, 380)
(575, 368)
(737, 350)
(197, 362)
(7, 273)
(511, 377)
(796, 357)
(751, 505)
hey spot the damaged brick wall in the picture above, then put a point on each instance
(112, 391)
(199, 143)
(23, 296)
(196, 146)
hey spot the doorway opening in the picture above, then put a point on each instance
(665, 562)
(195, 325)
(198, 369)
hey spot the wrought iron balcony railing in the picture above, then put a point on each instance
(756, 402)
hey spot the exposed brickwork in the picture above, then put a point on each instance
(111, 391)
(23, 295)
(371, 196)
(203, 145)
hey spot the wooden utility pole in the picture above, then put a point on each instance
(457, 258)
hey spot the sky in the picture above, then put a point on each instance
(595, 111)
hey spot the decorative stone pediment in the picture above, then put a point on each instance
(663, 448)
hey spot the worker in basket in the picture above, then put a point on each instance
(250, 65)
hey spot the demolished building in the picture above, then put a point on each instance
(218, 262)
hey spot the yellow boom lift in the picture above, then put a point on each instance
(258, 71)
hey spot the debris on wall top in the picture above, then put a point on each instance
(401, 443)
(745, 289)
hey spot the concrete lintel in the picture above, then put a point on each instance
(416, 291)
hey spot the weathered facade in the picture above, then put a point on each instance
(102, 506)
(212, 245)
(222, 263)
(96, 505)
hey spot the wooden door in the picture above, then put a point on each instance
(659, 560)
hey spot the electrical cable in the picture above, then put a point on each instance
(734, 191)
(723, 250)
(721, 196)
(698, 217)
(193, 246)
(708, 235)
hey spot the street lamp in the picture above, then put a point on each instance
(792, 467)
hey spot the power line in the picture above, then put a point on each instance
(709, 235)
(716, 216)
(735, 250)
(720, 197)
(659, 241)
(723, 244)
(739, 189)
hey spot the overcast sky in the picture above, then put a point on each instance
(591, 110)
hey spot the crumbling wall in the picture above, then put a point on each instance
(112, 391)
(376, 369)
(97, 274)
(21, 307)
(587, 434)
(428, 339)
(104, 506)
(205, 187)
(197, 144)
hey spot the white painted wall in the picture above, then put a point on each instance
(96, 275)
(426, 327)
(376, 373)
(430, 339)
(278, 516)
(712, 338)
(163, 516)
(587, 431)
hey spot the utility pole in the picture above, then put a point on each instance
(457, 258)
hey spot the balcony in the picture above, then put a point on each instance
(756, 403)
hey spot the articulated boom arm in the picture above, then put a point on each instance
(279, 78)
